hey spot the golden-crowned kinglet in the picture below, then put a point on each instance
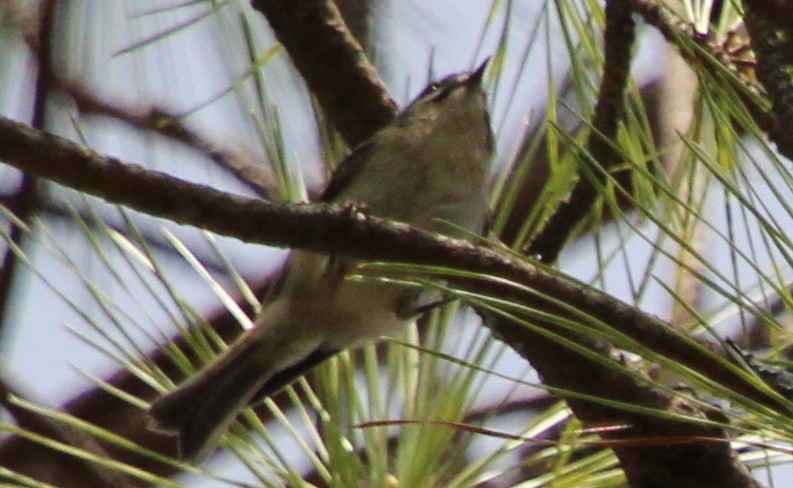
(430, 168)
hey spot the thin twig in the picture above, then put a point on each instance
(240, 165)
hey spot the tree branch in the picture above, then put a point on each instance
(56, 466)
(564, 368)
(769, 38)
(338, 231)
(328, 230)
(682, 37)
(26, 201)
(238, 163)
(619, 38)
(333, 64)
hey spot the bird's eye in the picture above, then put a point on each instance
(431, 88)
(437, 92)
(441, 93)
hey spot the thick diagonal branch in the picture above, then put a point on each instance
(333, 65)
(331, 230)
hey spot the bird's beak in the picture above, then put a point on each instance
(475, 78)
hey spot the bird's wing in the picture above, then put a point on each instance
(347, 170)
(287, 375)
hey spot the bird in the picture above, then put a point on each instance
(430, 168)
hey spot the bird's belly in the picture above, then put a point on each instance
(359, 312)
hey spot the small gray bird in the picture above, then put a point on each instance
(429, 168)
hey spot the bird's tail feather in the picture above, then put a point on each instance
(201, 409)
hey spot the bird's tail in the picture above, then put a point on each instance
(201, 409)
